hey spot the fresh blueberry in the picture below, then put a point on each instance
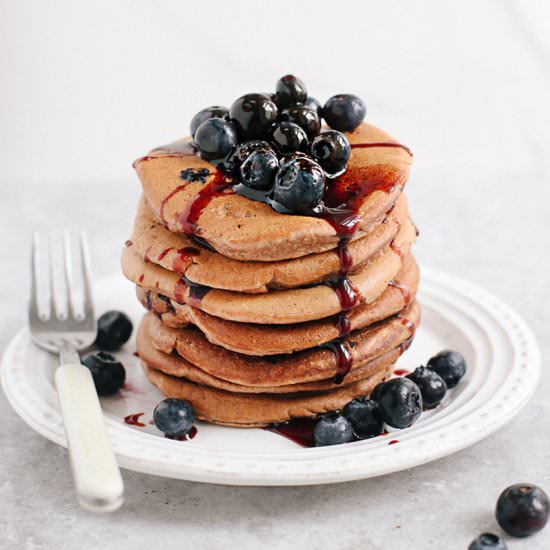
(288, 137)
(450, 365)
(332, 429)
(239, 153)
(215, 137)
(216, 111)
(488, 541)
(174, 416)
(114, 329)
(331, 150)
(305, 117)
(432, 386)
(299, 185)
(293, 156)
(314, 104)
(344, 112)
(400, 402)
(259, 169)
(522, 509)
(364, 415)
(288, 90)
(107, 372)
(253, 115)
(375, 393)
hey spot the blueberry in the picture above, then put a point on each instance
(299, 185)
(375, 393)
(290, 89)
(488, 541)
(253, 115)
(107, 372)
(216, 111)
(522, 509)
(314, 104)
(288, 137)
(364, 415)
(215, 137)
(400, 402)
(114, 329)
(432, 386)
(332, 429)
(344, 112)
(174, 416)
(305, 117)
(331, 150)
(259, 169)
(450, 365)
(240, 153)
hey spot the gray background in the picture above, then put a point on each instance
(87, 87)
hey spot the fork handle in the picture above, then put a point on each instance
(96, 473)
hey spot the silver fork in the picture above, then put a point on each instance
(62, 328)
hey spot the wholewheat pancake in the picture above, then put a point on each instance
(310, 365)
(277, 306)
(255, 339)
(249, 230)
(180, 253)
(174, 365)
(258, 410)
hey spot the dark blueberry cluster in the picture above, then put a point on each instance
(397, 403)
(274, 145)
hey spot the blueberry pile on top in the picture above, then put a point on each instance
(274, 146)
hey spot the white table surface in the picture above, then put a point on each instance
(87, 87)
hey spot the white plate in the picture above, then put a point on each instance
(504, 367)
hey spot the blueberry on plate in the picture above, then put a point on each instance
(290, 89)
(287, 137)
(488, 541)
(432, 386)
(216, 111)
(107, 371)
(305, 117)
(259, 169)
(215, 138)
(314, 104)
(253, 115)
(332, 429)
(450, 365)
(400, 402)
(114, 329)
(522, 509)
(364, 415)
(344, 112)
(375, 393)
(174, 417)
(299, 185)
(233, 161)
(332, 151)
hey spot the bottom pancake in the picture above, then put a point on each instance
(247, 410)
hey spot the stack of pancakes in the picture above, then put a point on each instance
(258, 317)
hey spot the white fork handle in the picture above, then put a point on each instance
(96, 474)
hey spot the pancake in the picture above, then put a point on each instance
(180, 253)
(305, 366)
(249, 230)
(254, 339)
(277, 306)
(259, 410)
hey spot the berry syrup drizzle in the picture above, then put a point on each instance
(176, 149)
(299, 430)
(134, 420)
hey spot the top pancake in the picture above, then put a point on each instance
(244, 229)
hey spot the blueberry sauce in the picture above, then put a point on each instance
(344, 359)
(393, 441)
(196, 292)
(397, 250)
(176, 149)
(405, 293)
(164, 253)
(133, 420)
(400, 372)
(128, 243)
(183, 257)
(146, 258)
(141, 277)
(299, 430)
(185, 437)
